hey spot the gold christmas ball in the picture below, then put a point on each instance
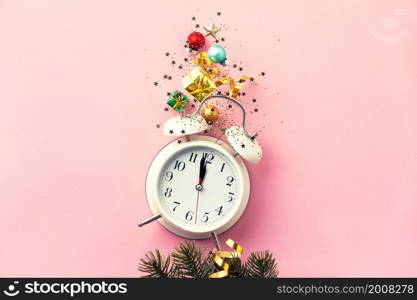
(210, 113)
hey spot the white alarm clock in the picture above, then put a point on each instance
(198, 185)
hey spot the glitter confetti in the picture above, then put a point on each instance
(181, 61)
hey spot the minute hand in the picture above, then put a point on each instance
(202, 169)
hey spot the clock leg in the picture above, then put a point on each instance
(149, 220)
(215, 240)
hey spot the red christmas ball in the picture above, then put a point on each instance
(196, 40)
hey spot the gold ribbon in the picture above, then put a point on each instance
(234, 87)
(202, 59)
(179, 104)
(220, 255)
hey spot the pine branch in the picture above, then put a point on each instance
(261, 264)
(191, 260)
(236, 268)
(156, 266)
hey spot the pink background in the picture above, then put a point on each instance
(335, 194)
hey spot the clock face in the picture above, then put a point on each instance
(194, 204)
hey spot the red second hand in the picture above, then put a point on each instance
(196, 207)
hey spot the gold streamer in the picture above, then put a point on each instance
(199, 83)
(234, 88)
(202, 59)
(214, 71)
(220, 255)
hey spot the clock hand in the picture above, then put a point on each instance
(202, 172)
(199, 187)
(196, 207)
(203, 164)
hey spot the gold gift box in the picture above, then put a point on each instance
(199, 83)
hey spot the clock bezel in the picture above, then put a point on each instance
(152, 179)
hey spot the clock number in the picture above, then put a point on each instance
(189, 215)
(209, 157)
(179, 165)
(168, 192)
(219, 210)
(176, 205)
(221, 170)
(230, 197)
(205, 217)
(230, 180)
(193, 157)
(168, 176)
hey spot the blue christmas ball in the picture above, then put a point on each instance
(217, 54)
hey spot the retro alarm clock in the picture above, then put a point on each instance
(198, 185)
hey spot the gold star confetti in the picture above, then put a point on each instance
(211, 30)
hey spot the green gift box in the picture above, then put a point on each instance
(177, 101)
